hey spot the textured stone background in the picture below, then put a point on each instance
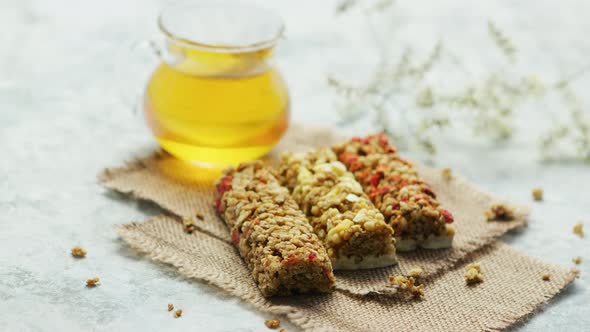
(67, 75)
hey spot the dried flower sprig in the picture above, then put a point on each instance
(574, 132)
(490, 103)
(379, 94)
(425, 67)
(503, 42)
(344, 6)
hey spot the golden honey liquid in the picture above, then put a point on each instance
(217, 109)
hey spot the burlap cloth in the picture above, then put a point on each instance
(364, 300)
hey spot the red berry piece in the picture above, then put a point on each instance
(448, 216)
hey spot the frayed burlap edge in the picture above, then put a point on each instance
(167, 252)
(143, 179)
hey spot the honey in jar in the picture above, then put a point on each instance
(216, 98)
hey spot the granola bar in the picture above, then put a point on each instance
(394, 186)
(353, 231)
(271, 233)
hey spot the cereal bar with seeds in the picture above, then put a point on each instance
(353, 231)
(394, 186)
(271, 233)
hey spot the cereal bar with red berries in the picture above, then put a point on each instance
(393, 185)
(353, 231)
(271, 233)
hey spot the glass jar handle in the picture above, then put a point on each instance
(138, 63)
(165, 53)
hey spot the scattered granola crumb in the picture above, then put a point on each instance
(92, 282)
(272, 323)
(170, 306)
(199, 216)
(78, 252)
(546, 277)
(447, 174)
(189, 225)
(408, 285)
(579, 229)
(282, 330)
(577, 260)
(500, 212)
(537, 194)
(178, 313)
(473, 273)
(415, 272)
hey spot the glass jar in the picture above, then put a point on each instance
(216, 98)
